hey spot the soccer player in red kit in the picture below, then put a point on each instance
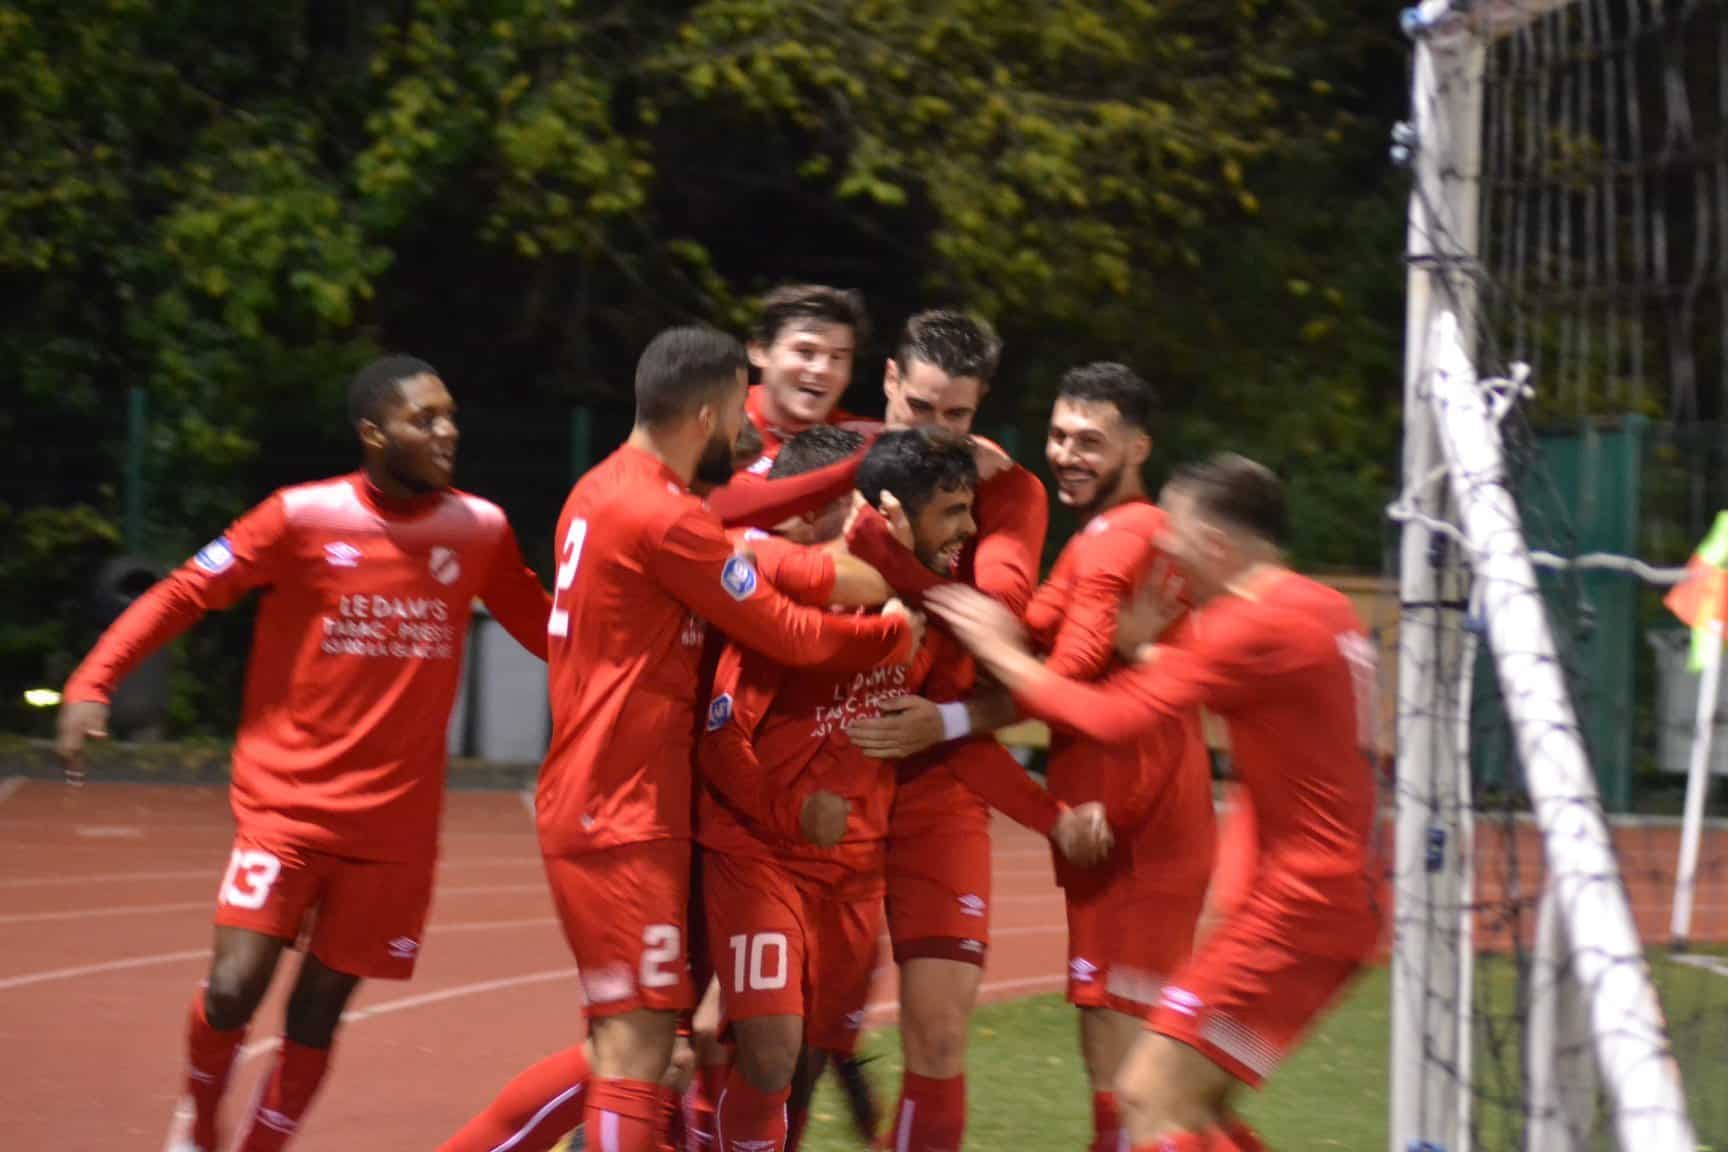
(1285, 662)
(939, 848)
(643, 569)
(338, 768)
(1131, 923)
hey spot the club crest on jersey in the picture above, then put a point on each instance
(719, 711)
(738, 577)
(446, 568)
(215, 557)
(342, 555)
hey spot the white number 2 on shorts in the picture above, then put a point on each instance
(750, 961)
(662, 955)
(250, 875)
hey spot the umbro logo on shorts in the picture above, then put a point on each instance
(404, 947)
(608, 985)
(972, 946)
(1181, 1001)
(972, 904)
(1081, 970)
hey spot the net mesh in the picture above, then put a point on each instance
(1601, 188)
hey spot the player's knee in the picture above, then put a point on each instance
(768, 1051)
(935, 1041)
(235, 988)
(315, 1009)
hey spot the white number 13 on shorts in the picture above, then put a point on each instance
(250, 875)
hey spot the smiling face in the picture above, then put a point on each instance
(805, 371)
(941, 529)
(922, 396)
(1094, 456)
(414, 435)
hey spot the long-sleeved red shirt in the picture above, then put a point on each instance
(643, 568)
(355, 658)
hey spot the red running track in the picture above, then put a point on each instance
(105, 901)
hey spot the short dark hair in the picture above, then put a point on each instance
(815, 448)
(819, 302)
(959, 343)
(380, 383)
(683, 369)
(1115, 384)
(1241, 492)
(916, 463)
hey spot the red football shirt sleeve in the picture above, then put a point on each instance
(1154, 695)
(1085, 641)
(757, 502)
(873, 542)
(1013, 518)
(245, 557)
(744, 688)
(802, 574)
(514, 595)
(990, 770)
(695, 563)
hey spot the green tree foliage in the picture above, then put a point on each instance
(232, 206)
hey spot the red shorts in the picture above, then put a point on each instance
(939, 885)
(366, 916)
(1126, 941)
(1247, 996)
(623, 915)
(788, 945)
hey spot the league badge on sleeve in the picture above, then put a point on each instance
(719, 711)
(215, 557)
(738, 577)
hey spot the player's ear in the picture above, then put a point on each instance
(757, 353)
(891, 378)
(371, 435)
(1139, 449)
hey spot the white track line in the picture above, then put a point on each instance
(186, 906)
(1716, 964)
(9, 787)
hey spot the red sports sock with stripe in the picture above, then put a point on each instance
(1179, 1142)
(209, 1059)
(1106, 1122)
(931, 1115)
(748, 1120)
(534, 1110)
(700, 1104)
(621, 1116)
(1234, 1135)
(293, 1082)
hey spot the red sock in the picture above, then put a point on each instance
(748, 1120)
(621, 1116)
(292, 1084)
(796, 1119)
(209, 1058)
(1106, 1122)
(533, 1111)
(1179, 1142)
(700, 1105)
(931, 1115)
(1235, 1136)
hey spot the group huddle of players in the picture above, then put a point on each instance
(779, 643)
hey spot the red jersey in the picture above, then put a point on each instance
(773, 738)
(355, 657)
(1164, 777)
(772, 436)
(1291, 672)
(642, 565)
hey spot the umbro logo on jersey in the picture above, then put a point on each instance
(972, 904)
(719, 711)
(215, 557)
(340, 555)
(446, 568)
(738, 577)
(404, 947)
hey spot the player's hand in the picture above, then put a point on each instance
(991, 459)
(823, 819)
(856, 509)
(79, 721)
(1148, 614)
(914, 620)
(1083, 835)
(907, 726)
(982, 624)
(682, 1068)
(898, 522)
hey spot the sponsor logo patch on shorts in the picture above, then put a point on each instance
(215, 557)
(738, 577)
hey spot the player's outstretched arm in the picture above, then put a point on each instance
(1085, 642)
(757, 502)
(695, 563)
(243, 558)
(1013, 520)
(514, 595)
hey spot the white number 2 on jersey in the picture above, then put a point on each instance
(558, 624)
